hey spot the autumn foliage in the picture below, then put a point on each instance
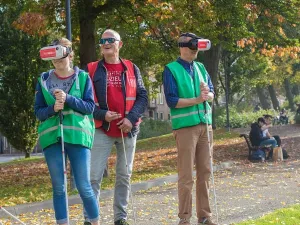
(32, 23)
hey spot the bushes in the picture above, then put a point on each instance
(239, 118)
(154, 128)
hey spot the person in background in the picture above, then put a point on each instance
(256, 135)
(283, 116)
(265, 128)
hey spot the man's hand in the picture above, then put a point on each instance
(58, 106)
(60, 95)
(125, 125)
(110, 116)
(204, 93)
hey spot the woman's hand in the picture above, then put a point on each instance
(58, 106)
(60, 95)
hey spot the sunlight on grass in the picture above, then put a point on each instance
(24, 160)
(285, 216)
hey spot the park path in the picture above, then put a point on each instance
(244, 191)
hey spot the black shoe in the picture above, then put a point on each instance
(87, 223)
(121, 222)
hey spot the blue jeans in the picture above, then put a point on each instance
(99, 156)
(79, 157)
(272, 142)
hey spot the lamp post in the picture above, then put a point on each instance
(68, 20)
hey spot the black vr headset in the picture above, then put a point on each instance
(195, 43)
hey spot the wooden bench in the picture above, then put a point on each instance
(254, 148)
(250, 147)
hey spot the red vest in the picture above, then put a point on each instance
(130, 86)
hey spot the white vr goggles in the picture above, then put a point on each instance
(55, 51)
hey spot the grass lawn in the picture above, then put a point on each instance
(27, 180)
(285, 216)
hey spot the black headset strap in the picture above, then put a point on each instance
(184, 44)
(188, 35)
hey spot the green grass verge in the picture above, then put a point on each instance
(22, 160)
(285, 216)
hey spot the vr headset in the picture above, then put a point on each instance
(195, 43)
(55, 51)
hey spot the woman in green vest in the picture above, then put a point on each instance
(68, 89)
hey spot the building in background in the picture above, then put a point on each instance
(157, 106)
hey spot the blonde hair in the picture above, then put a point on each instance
(67, 43)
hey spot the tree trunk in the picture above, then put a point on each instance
(211, 62)
(262, 97)
(87, 51)
(289, 94)
(295, 90)
(27, 154)
(273, 96)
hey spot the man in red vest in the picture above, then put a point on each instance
(121, 99)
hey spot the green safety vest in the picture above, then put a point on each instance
(189, 88)
(77, 128)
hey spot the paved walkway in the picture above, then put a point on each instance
(243, 193)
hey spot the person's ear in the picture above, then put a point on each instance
(120, 44)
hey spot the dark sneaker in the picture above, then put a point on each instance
(206, 220)
(121, 222)
(87, 223)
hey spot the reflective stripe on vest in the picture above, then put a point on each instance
(65, 127)
(77, 128)
(187, 114)
(189, 88)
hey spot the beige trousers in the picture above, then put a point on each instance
(192, 147)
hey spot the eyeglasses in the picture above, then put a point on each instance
(109, 40)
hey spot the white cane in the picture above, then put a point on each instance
(130, 192)
(8, 213)
(210, 146)
(64, 163)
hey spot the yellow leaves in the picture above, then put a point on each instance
(279, 18)
(31, 23)
(270, 51)
(241, 43)
(282, 32)
(203, 4)
(267, 13)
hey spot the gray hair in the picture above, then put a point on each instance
(113, 32)
(183, 39)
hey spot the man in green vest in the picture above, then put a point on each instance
(187, 88)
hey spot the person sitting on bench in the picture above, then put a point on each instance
(256, 135)
(265, 129)
(266, 133)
